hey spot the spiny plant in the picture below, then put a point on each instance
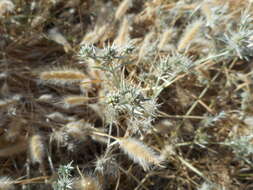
(65, 180)
(138, 94)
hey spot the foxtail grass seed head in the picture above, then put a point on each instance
(122, 9)
(6, 183)
(86, 85)
(56, 36)
(190, 33)
(45, 97)
(139, 152)
(95, 35)
(56, 116)
(207, 12)
(79, 130)
(90, 38)
(144, 47)
(71, 101)
(37, 149)
(99, 138)
(98, 109)
(62, 76)
(165, 38)
(6, 6)
(123, 35)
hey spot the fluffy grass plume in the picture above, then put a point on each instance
(56, 36)
(95, 35)
(189, 34)
(37, 151)
(79, 129)
(139, 152)
(45, 98)
(165, 38)
(6, 183)
(123, 34)
(71, 101)
(6, 6)
(144, 48)
(62, 76)
(122, 9)
(86, 85)
(207, 12)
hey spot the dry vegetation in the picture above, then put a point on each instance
(126, 95)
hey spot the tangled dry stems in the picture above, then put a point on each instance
(126, 94)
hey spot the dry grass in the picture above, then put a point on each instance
(126, 94)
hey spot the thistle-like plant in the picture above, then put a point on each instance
(167, 69)
(238, 38)
(242, 146)
(132, 102)
(65, 180)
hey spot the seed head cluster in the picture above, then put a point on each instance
(126, 94)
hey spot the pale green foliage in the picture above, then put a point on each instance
(211, 120)
(170, 66)
(65, 180)
(242, 146)
(237, 39)
(122, 97)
